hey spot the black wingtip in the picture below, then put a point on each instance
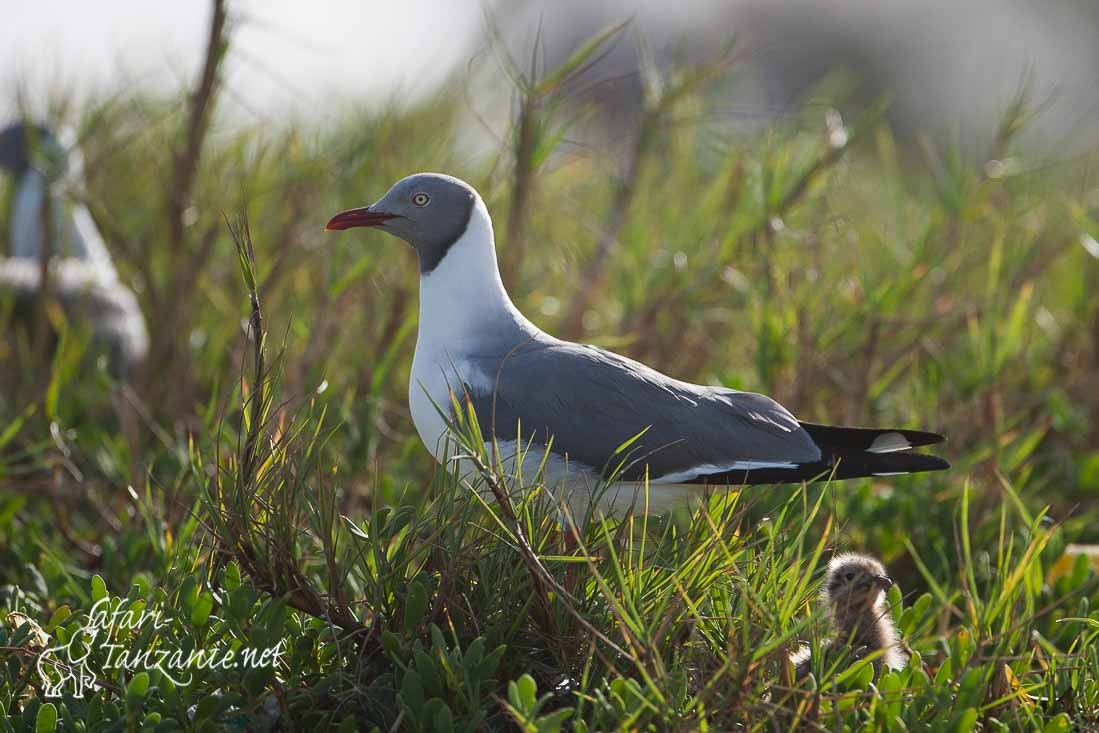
(847, 439)
(922, 437)
(889, 464)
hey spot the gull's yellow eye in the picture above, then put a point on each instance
(421, 199)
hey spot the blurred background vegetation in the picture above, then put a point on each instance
(856, 274)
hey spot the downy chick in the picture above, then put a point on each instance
(854, 595)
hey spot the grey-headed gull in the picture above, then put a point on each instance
(532, 391)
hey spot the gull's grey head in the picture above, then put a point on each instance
(430, 211)
(24, 146)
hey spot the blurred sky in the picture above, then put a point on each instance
(948, 62)
(298, 56)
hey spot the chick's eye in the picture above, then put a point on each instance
(421, 199)
(849, 576)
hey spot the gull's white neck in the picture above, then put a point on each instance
(464, 309)
(464, 295)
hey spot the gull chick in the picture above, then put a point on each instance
(578, 404)
(854, 596)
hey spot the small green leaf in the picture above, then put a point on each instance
(391, 643)
(188, 593)
(488, 666)
(891, 686)
(415, 606)
(944, 674)
(58, 617)
(46, 720)
(200, 612)
(443, 719)
(527, 690)
(412, 692)
(553, 722)
(864, 677)
(966, 721)
(138, 686)
(429, 675)
(231, 579)
(99, 589)
(1058, 724)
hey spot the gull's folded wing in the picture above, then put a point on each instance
(591, 401)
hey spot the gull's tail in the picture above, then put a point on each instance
(845, 453)
(857, 452)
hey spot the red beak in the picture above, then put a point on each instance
(363, 217)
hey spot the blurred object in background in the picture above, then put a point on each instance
(52, 236)
(951, 68)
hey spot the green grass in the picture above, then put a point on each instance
(262, 482)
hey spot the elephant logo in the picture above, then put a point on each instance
(66, 665)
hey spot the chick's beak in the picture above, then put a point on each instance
(364, 217)
(883, 581)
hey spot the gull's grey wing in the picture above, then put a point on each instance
(591, 401)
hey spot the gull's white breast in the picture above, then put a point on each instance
(434, 376)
